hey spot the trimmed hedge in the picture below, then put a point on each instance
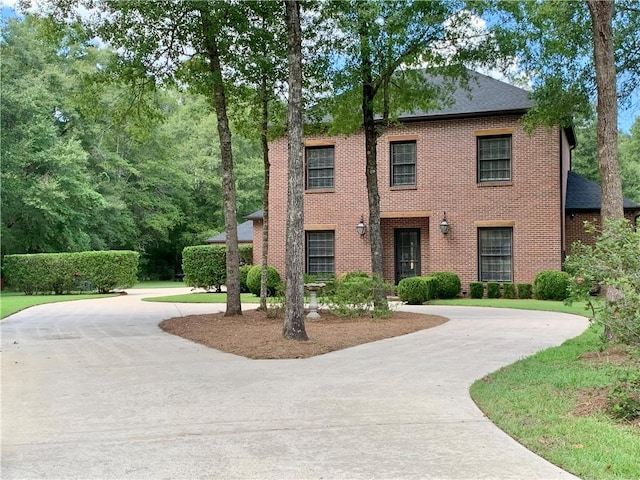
(417, 290)
(493, 290)
(66, 272)
(205, 266)
(244, 271)
(476, 289)
(525, 290)
(447, 284)
(254, 277)
(551, 285)
(509, 290)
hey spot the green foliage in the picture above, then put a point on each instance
(67, 272)
(624, 398)
(509, 290)
(204, 266)
(244, 272)
(353, 296)
(417, 290)
(246, 254)
(476, 289)
(614, 263)
(493, 290)
(346, 276)
(447, 284)
(551, 285)
(254, 278)
(525, 290)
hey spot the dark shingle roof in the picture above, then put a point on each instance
(484, 95)
(245, 234)
(583, 194)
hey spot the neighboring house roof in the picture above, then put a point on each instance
(583, 194)
(259, 215)
(484, 95)
(245, 234)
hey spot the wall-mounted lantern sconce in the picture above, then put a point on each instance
(444, 225)
(361, 228)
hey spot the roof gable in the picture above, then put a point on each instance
(245, 234)
(583, 194)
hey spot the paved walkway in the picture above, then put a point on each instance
(94, 389)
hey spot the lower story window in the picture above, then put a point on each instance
(320, 253)
(495, 254)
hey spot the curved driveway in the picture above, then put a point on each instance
(94, 389)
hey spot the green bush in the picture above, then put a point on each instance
(416, 290)
(447, 284)
(476, 289)
(346, 276)
(67, 272)
(551, 285)
(244, 271)
(205, 266)
(509, 290)
(354, 297)
(624, 398)
(245, 252)
(525, 290)
(493, 290)
(254, 277)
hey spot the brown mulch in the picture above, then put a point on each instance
(254, 335)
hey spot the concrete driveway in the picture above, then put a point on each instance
(94, 389)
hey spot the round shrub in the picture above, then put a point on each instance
(551, 285)
(412, 290)
(509, 290)
(254, 276)
(493, 290)
(447, 284)
(244, 271)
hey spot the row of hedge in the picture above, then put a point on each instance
(71, 272)
(500, 290)
(417, 290)
(205, 266)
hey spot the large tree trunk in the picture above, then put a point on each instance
(264, 130)
(234, 307)
(371, 153)
(294, 294)
(607, 109)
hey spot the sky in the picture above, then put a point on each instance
(626, 116)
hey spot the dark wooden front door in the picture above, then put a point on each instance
(407, 252)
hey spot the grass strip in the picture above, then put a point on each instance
(202, 297)
(12, 302)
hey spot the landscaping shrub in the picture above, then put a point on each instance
(476, 289)
(254, 276)
(354, 297)
(65, 272)
(346, 276)
(508, 290)
(416, 290)
(525, 290)
(493, 290)
(551, 285)
(244, 271)
(245, 252)
(447, 284)
(624, 398)
(205, 266)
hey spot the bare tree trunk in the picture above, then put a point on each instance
(264, 129)
(294, 295)
(371, 153)
(607, 109)
(234, 307)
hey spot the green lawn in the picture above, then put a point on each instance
(203, 297)
(11, 302)
(159, 284)
(577, 308)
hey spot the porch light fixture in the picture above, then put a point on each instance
(444, 225)
(361, 228)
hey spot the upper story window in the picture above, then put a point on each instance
(403, 163)
(320, 162)
(494, 158)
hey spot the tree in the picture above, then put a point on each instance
(381, 45)
(294, 294)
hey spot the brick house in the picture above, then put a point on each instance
(503, 190)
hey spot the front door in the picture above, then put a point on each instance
(407, 252)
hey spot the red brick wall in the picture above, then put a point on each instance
(575, 226)
(446, 181)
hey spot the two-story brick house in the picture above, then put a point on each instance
(503, 191)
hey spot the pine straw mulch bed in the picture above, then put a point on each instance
(254, 335)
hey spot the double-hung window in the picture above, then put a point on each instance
(494, 158)
(320, 252)
(403, 163)
(495, 254)
(320, 162)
